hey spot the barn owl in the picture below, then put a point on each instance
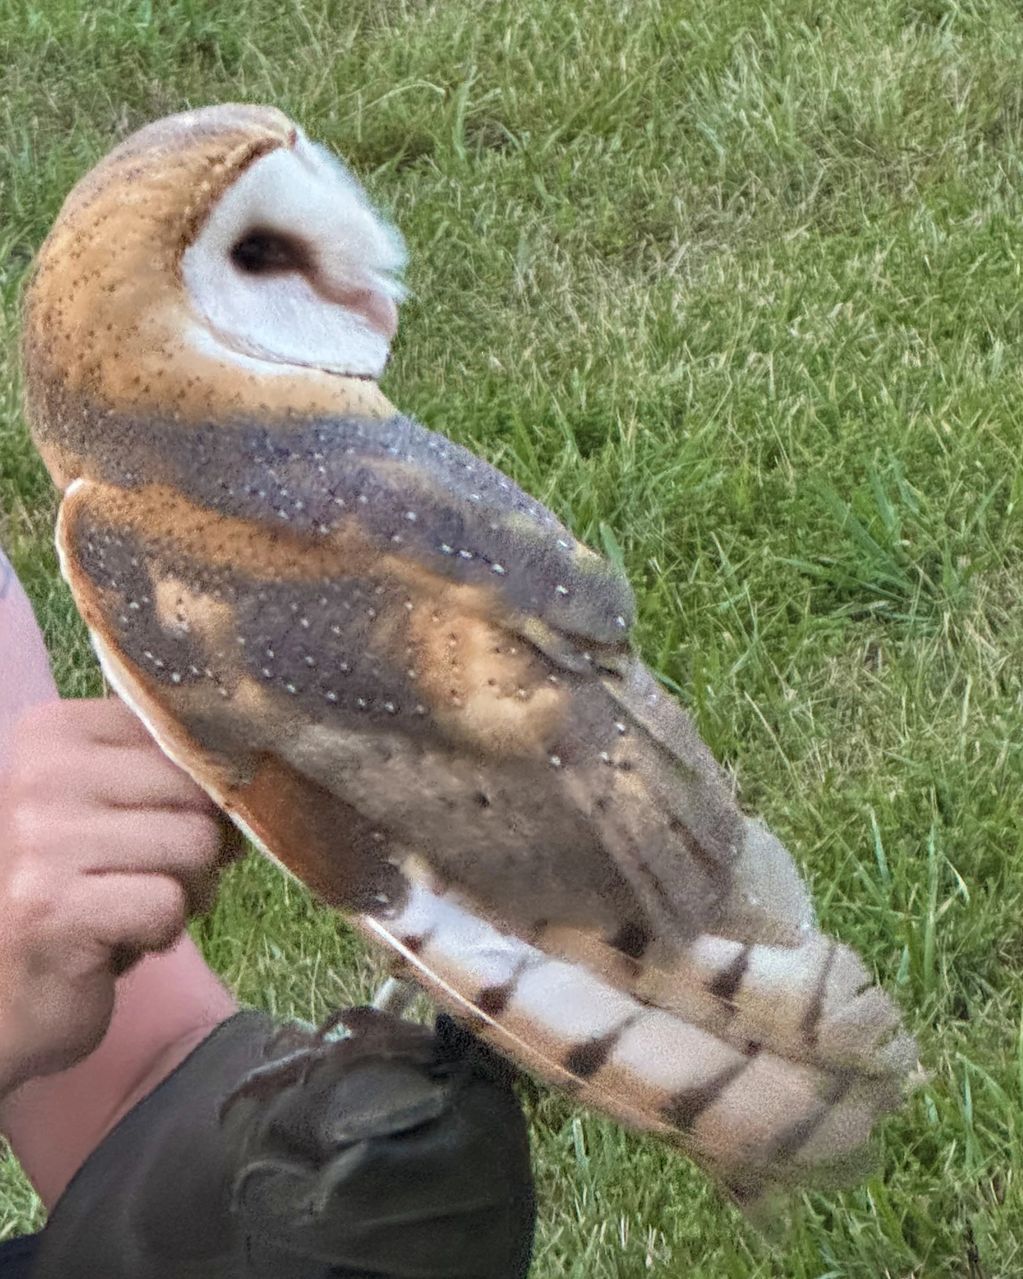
(403, 678)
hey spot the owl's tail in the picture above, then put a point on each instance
(767, 1064)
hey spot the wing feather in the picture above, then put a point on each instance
(413, 687)
(410, 492)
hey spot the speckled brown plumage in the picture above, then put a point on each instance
(416, 689)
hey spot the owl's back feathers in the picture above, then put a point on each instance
(413, 686)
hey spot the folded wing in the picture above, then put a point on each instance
(413, 686)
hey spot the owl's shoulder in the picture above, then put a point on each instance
(409, 492)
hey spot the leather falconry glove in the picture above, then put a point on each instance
(396, 1153)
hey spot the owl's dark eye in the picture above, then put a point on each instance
(265, 252)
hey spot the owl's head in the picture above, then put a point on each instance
(289, 261)
(208, 258)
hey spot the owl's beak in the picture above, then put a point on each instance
(378, 310)
(372, 305)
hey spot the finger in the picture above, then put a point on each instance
(81, 720)
(116, 724)
(137, 777)
(129, 914)
(105, 720)
(186, 846)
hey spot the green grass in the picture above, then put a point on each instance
(735, 288)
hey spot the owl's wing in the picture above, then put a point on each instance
(411, 685)
(387, 587)
(414, 494)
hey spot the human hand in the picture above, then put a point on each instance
(106, 848)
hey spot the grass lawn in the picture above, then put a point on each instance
(734, 288)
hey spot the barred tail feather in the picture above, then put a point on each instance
(813, 1003)
(753, 1113)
